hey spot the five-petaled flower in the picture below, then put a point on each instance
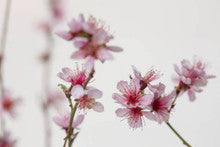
(161, 105)
(191, 77)
(90, 38)
(87, 98)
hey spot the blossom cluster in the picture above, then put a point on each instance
(140, 98)
(90, 38)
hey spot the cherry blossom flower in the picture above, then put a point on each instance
(161, 104)
(191, 77)
(132, 96)
(91, 38)
(134, 116)
(87, 98)
(63, 121)
(8, 104)
(145, 80)
(77, 77)
(6, 141)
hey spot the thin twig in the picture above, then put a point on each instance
(178, 135)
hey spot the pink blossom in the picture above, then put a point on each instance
(133, 115)
(63, 121)
(87, 98)
(54, 98)
(57, 9)
(132, 96)
(6, 141)
(191, 77)
(145, 80)
(8, 104)
(160, 106)
(91, 39)
(77, 77)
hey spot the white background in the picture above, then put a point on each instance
(153, 33)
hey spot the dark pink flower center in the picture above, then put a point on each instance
(7, 104)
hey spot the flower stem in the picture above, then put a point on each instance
(178, 135)
(2, 50)
(73, 111)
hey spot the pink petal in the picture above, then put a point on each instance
(67, 71)
(149, 115)
(77, 91)
(78, 55)
(165, 115)
(98, 107)
(135, 85)
(176, 68)
(186, 80)
(122, 112)
(135, 123)
(186, 64)
(94, 93)
(89, 65)
(74, 26)
(137, 74)
(146, 100)
(65, 35)
(78, 121)
(79, 42)
(191, 95)
(119, 99)
(123, 87)
(114, 48)
(103, 55)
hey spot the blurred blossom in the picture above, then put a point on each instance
(87, 98)
(54, 98)
(6, 141)
(90, 38)
(8, 104)
(191, 77)
(63, 121)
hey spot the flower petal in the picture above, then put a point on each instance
(78, 55)
(77, 91)
(79, 42)
(98, 107)
(114, 48)
(122, 112)
(94, 93)
(65, 35)
(191, 95)
(78, 121)
(103, 55)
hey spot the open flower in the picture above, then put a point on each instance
(63, 121)
(91, 39)
(160, 106)
(6, 141)
(191, 77)
(8, 104)
(132, 96)
(145, 80)
(77, 77)
(134, 116)
(87, 98)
